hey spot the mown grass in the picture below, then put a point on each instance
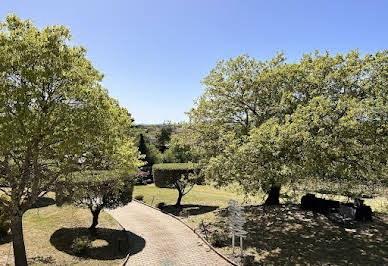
(284, 234)
(50, 230)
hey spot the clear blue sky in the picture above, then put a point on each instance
(155, 53)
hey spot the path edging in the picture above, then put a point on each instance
(193, 230)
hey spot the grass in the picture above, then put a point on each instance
(198, 204)
(285, 234)
(49, 232)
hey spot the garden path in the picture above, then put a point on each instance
(167, 241)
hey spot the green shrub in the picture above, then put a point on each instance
(166, 174)
(248, 260)
(219, 240)
(81, 245)
(161, 205)
(139, 197)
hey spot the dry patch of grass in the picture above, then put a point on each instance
(49, 232)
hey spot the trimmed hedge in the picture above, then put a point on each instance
(166, 174)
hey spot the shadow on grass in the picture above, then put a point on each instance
(5, 238)
(43, 202)
(287, 235)
(107, 244)
(188, 209)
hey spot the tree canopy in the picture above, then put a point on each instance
(54, 114)
(264, 124)
(96, 190)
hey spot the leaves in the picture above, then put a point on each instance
(268, 123)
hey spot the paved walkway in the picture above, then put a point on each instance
(167, 241)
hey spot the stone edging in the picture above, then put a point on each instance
(193, 230)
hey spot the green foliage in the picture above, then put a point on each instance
(219, 240)
(142, 145)
(96, 189)
(182, 176)
(54, 112)
(139, 197)
(180, 151)
(264, 124)
(151, 154)
(161, 205)
(167, 174)
(163, 137)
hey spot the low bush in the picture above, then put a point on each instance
(139, 197)
(81, 245)
(161, 205)
(219, 240)
(248, 260)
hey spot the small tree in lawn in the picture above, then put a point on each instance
(96, 190)
(181, 176)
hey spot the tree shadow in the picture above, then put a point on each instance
(288, 235)
(188, 209)
(107, 244)
(43, 202)
(5, 238)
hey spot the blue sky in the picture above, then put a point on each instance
(155, 53)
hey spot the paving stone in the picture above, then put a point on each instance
(167, 241)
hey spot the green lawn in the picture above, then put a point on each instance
(49, 232)
(201, 195)
(199, 204)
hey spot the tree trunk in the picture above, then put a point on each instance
(95, 214)
(180, 195)
(273, 195)
(19, 249)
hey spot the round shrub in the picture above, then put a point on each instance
(161, 205)
(139, 197)
(219, 240)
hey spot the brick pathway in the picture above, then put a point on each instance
(167, 241)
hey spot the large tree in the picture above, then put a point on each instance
(244, 122)
(52, 108)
